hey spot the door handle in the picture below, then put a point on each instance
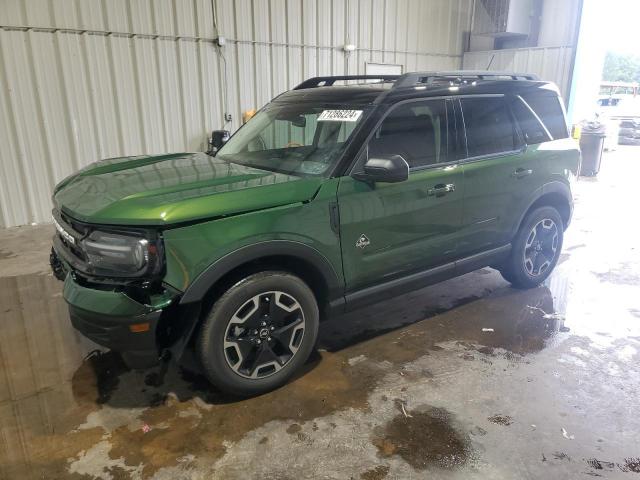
(441, 189)
(522, 172)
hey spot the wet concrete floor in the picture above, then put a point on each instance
(409, 388)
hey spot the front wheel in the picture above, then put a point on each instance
(535, 249)
(259, 333)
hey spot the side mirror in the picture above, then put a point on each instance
(387, 169)
(218, 139)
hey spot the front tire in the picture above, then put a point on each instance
(535, 249)
(259, 333)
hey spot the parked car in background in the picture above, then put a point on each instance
(629, 132)
(621, 114)
(331, 197)
(609, 101)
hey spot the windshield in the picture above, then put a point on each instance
(293, 139)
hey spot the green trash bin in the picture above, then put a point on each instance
(592, 145)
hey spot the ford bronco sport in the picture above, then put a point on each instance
(333, 196)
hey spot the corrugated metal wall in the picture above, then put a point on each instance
(551, 60)
(550, 63)
(559, 21)
(88, 79)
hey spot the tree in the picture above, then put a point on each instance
(621, 68)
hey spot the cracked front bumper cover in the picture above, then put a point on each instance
(109, 317)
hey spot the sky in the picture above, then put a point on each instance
(621, 28)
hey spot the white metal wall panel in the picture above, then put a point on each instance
(150, 92)
(550, 63)
(28, 124)
(92, 15)
(558, 23)
(170, 95)
(14, 205)
(103, 93)
(82, 80)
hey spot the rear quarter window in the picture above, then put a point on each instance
(550, 111)
(532, 130)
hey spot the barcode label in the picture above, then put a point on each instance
(340, 116)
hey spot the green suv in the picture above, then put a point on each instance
(331, 197)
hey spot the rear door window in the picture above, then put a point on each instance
(550, 111)
(489, 127)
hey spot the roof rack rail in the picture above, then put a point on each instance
(330, 80)
(416, 78)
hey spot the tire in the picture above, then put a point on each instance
(258, 333)
(534, 255)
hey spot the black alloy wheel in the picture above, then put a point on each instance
(259, 333)
(264, 334)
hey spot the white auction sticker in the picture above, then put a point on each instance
(340, 116)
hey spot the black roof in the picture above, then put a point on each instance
(360, 94)
(393, 88)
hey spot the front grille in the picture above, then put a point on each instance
(72, 253)
(76, 251)
(78, 228)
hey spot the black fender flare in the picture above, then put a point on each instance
(556, 186)
(191, 300)
(214, 272)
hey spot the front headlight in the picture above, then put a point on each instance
(122, 255)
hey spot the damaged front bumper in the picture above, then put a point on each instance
(112, 318)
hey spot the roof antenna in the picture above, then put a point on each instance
(491, 61)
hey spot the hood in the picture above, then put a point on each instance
(165, 189)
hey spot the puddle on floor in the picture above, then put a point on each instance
(623, 274)
(65, 396)
(601, 467)
(504, 420)
(424, 438)
(377, 473)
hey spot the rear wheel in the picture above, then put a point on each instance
(259, 333)
(535, 249)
